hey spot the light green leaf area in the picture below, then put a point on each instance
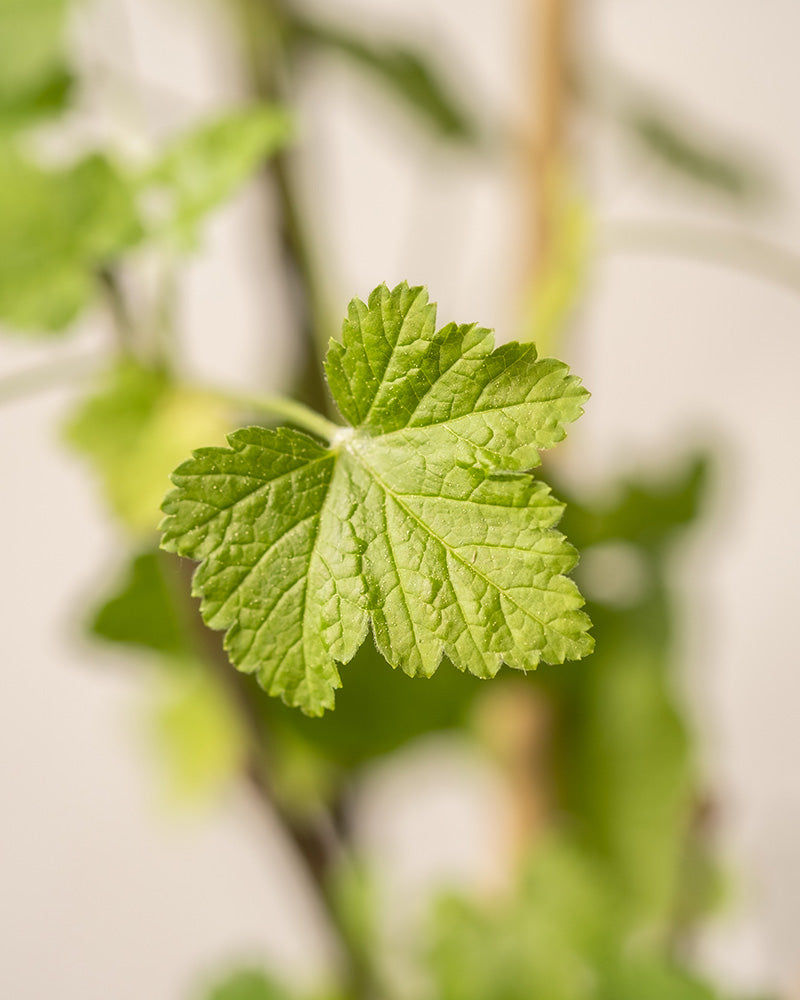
(203, 168)
(57, 229)
(133, 430)
(195, 732)
(33, 76)
(405, 73)
(561, 935)
(247, 984)
(420, 518)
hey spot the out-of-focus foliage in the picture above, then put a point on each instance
(58, 229)
(683, 153)
(192, 723)
(247, 984)
(562, 935)
(253, 984)
(196, 732)
(144, 610)
(34, 78)
(627, 781)
(135, 428)
(203, 168)
(405, 73)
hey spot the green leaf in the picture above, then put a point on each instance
(248, 984)
(133, 430)
(403, 71)
(57, 229)
(34, 80)
(421, 518)
(196, 732)
(142, 611)
(203, 168)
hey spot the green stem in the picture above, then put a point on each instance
(277, 406)
(728, 248)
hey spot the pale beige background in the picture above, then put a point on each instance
(103, 893)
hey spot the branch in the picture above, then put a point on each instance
(726, 248)
(46, 376)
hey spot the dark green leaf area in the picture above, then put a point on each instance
(407, 74)
(627, 783)
(378, 711)
(644, 511)
(48, 98)
(58, 228)
(142, 609)
(687, 155)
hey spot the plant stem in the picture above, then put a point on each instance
(728, 248)
(277, 406)
(265, 32)
(544, 154)
(123, 323)
(316, 840)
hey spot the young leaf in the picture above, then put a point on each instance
(203, 168)
(420, 518)
(134, 429)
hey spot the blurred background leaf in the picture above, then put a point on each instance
(196, 733)
(143, 610)
(688, 155)
(203, 168)
(627, 781)
(247, 984)
(58, 229)
(405, 73)
(136, 427)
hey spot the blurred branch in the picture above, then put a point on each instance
(316, 839)
(46, 376)
(672, 138)
(543, 162)
(118, 307)
(265, 34)
(726, 248)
